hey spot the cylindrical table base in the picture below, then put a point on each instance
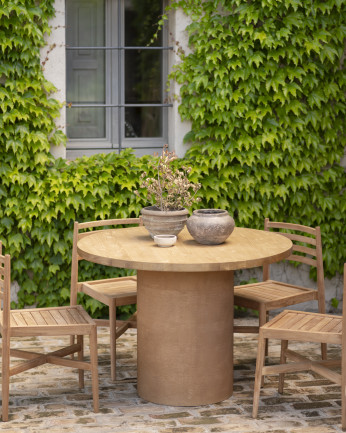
(185, 337)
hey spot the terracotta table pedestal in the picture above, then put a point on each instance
(185, 340)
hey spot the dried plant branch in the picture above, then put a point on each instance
(171, 189)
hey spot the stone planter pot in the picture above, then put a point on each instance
(210, 226)
(159, 222)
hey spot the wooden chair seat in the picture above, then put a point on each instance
(305, 327)
(49, 321)
(273, 294)
(124, 289)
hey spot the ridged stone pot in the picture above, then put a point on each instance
(210, 226)
(159, 222)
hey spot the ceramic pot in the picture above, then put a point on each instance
(159, 222)
(165, 241)
(210, 226)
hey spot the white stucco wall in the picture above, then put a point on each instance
(177, 38)
(53, 57)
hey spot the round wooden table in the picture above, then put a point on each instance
(185, 306)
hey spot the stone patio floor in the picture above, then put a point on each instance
(47, 399)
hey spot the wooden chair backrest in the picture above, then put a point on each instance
(5, 290)
(77, 235)
(310, 236)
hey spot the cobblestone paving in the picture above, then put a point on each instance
(47, 399)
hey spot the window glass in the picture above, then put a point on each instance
(143, 77)
(141, 17)
(143, 122)
(85, 73)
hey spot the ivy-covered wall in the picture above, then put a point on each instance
(263, 88)
(40, 196)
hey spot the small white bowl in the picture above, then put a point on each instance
(165, 240)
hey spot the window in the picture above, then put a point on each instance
(115, 78)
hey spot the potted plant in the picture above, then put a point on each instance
(170, 192)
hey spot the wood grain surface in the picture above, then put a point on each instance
(133, 248)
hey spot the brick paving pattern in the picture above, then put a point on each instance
(47, 399)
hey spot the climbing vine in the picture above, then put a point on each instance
(264, 89)
(40, 196)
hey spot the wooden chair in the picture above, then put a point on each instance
(269, 295)
(305, 327)
(55, 321)
(112, 292)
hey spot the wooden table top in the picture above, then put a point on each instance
(133, 248)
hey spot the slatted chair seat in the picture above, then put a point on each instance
(124, 289)
(113, 292)
(274, 294)
(304, 327)
(299, 325)
(55, 321)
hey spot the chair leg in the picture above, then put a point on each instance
(80, 340)
(267, 320)
(5, 370)
(94, 369)
(258, 375)
(262, 321)
(324, 350)
(284, 345)
(112, 334)
(343, 397)
(71, 343)
(322, 309)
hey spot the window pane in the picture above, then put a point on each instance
(85, 72)
(86, 122)
(141, 17)
(143, 122)
(143, 78)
